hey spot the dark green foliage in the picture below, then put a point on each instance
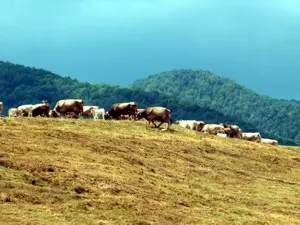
(272, 117)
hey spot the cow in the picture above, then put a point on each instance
(191, 124)
(1, 108)
(118, 109)
(269, 141)
(256, 137)
(71, 108)
(213, 129)
(160, 114)
(98, 112)
(12, 112)
(232, 131)
(23, 110)
(42, 109)
(87, 110)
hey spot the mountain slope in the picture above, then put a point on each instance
(59, 172)
(209, 90)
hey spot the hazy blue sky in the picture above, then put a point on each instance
(254, 42)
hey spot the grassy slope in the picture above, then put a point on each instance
(119, 172)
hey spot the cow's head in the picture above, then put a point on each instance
(107, 116)
(141, 114)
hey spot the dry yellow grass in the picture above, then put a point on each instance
(120, 172)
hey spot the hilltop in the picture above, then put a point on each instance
(278, 118)
(120, 172)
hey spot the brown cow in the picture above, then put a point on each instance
(39, 110)
(160, 114)
(232, 131)
(69, 107)
(118, 109)
(87, 110)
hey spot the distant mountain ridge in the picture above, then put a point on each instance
(25, 85)
(206, 89)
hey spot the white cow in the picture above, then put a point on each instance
(269, 141)
(98, 112)
(24, 110)
(191, 124)
(256, 137)
(12, 112)
(213, 129)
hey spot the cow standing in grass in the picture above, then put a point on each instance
(119, 109)
(42, 109)
(87, 110)
(213, 129)
(12, 112)
(191, 124)
(97, 113)
(269, 141)
(256, 137)
(71, 108)
(152, 114)
(23, 110)
(232, 131)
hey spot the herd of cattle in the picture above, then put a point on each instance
(74, 108)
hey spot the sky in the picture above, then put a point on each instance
(253, 42)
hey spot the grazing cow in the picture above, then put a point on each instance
(213, 129)
(23, 110)
(71, 108)
(12, 112)
(191, 124)
(160, 114)
(269, 141)
(98, 112)
(87, 110)
(42, 109)
(1, 108)
(118, 109)
(252, 136)
(232, 131)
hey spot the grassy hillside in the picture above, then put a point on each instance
(274, 116)
(120, 172)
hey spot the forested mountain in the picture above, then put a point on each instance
(25, 85)
(280, 118)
